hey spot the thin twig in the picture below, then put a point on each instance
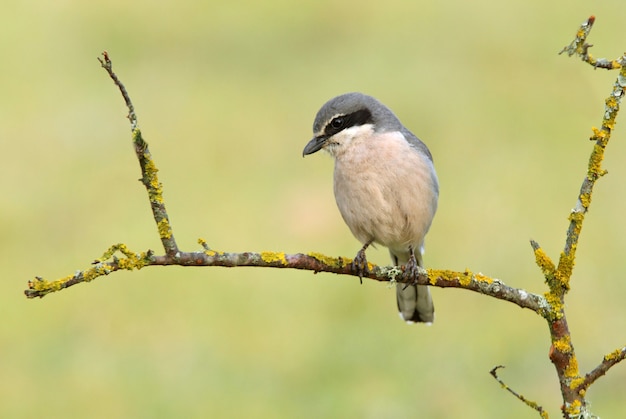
(529, 403)
(107, 64)
(149, 170)
(580, 47)
(608, 361)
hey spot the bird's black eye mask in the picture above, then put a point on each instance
(341, 122)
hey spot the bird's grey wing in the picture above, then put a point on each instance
(416, 142)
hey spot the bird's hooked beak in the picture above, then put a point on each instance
(314, 145)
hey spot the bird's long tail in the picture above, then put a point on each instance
(414, 301)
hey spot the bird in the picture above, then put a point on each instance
(385, 187)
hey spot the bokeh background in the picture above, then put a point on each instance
(226, 92)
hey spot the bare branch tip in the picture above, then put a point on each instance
(494, 371)
(105, 61)
(591, 20)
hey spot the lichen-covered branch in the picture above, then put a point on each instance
(127, 260)
(110, 262)
(608, 361)
(580, 47)
(594, 168)
(562, 353)
(149, 170)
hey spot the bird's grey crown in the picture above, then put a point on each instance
(359, 105)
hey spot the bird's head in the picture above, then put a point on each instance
(346, 117)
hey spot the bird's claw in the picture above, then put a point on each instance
(360, 265)
(411, 270)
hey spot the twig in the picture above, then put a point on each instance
(594, 170)
(107, 64)
(608, 361)
(580, 47)
(149, 170)
(529, 403)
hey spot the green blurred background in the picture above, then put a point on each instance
(226, 92)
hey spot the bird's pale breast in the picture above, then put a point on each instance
(386, 191)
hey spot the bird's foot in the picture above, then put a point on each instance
(411, 269)
(359, 264)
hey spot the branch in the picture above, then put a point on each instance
(529, 403)
(559, 281)
(557, 277)
(608, 361)
(149, 170)
(109, 262)
(562, 352)
(580, 47)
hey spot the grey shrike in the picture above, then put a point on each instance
(385, 186)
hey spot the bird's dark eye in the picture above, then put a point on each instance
(337, 122)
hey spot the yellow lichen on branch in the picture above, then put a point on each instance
(328, 260)
(104, 265)
(545, 263)
(564, 270)
(165, 231)
(563, 344)
(616, 354)
(272, 257)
